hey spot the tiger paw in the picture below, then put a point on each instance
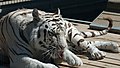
(97, 54)
(49, 66)
(72, 59)
(33, 63)
(115, 47)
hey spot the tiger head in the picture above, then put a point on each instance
(49, 33)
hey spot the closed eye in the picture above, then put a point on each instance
(53, 24)
(55, 20)
(61, 23)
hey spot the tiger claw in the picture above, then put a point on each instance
(97, 54)
(115, 47)
(72, 59)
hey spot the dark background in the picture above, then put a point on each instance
(77, 9)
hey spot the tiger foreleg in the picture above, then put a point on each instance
(112, 46)
(27, 62)
(71, 58)
(95, 53)
(75, 37)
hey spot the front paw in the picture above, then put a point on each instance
(49, 66)
(33, 63)
(43, 65)
(72, 59)
(97, 54)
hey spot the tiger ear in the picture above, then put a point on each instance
(58, 12)
(35, 14)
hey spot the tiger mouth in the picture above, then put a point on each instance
(54, 53)
(60, 54)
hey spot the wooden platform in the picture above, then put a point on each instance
(112, 60)
(100, 23)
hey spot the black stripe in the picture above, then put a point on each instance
(51, 41)
(100, 32)
(20, 53)
(24, 47)
(87, 48)
(42, 23)
(7, 29)
(23, 36)
(93, 34)
(38, 33)
(42, 45)
(76, 34)
(54, 20)
(11, 50)
(44, 35)
(47, 20)
(47, 14)
(81, 40)
(85, 36)
(15, 53)
(70, 34)
(21, 23)
(89, 42)
(10, 59)
(19, 47)
(2, 26)
(24, 54)
(47, 17)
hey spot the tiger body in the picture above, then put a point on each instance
(26, 34)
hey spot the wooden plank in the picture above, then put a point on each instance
(111, 13)
(110, 62)
(100, 23)
(104, 63)
(85, 65)
(114, 56)
(114, 16)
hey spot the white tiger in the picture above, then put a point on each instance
(38, 39)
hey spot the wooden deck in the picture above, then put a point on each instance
(112, 60)
(100, 23)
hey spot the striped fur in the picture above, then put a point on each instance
(38, 39)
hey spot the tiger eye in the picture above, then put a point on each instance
(40, 42)
(46, 26)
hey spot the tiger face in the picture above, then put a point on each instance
(49, 35)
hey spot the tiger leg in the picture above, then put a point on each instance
(95, 53)
(71, 58)
(112, 46)
(27, 62)
(74, 36)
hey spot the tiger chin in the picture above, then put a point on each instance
(36, 39)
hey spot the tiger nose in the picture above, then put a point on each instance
(61, 47)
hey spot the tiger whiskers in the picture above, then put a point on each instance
(49, 53)
(53, 52)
